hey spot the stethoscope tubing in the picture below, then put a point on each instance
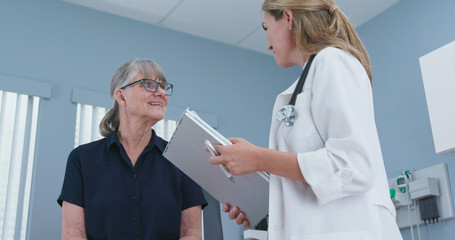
(286, 114)
(299, 87)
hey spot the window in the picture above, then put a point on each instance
(165, 128)
(88, 118)
(18, 120)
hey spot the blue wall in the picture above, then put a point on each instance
(395, 40)
(70, 47)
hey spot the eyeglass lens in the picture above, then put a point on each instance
(152, 86)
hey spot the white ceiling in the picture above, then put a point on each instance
(234, 22)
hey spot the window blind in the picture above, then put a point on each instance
(18, 120)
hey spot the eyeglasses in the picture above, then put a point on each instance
(151, 85)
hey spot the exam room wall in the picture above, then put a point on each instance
(70, 47)
(395, 40)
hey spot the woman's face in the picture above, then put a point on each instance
(150, 106)
(280, 39)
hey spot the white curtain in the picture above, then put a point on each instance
(18, 120)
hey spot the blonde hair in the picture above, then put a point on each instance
(122, 76)
(319, 24)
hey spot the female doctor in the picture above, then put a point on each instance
(328, 179)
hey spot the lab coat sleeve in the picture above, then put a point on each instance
(342, 110)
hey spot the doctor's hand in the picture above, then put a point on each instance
(235, 213)
(240, 158)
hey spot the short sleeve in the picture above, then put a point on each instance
(73, 186)
(191, 193)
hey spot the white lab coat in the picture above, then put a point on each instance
(334, 135)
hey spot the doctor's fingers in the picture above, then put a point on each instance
(206, 149)
(235, 140)
(215, 160)
(238, 215)
(226, 207)
(219, 148)
(246, 223)
(240, 219)
(233, 212)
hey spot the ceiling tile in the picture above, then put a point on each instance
(228, 21)
(234, 22)
(256, 41)
(149, 11)
(359, 12)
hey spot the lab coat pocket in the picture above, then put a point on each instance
(303, 125)
(304, 131)
(354, 235)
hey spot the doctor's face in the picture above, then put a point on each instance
(280, 39)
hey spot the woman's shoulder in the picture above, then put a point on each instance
(90, 147)
(332, 55)
(333, 52)
(88, 152)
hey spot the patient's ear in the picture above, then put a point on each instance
(119, 97)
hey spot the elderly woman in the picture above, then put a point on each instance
(121, 187)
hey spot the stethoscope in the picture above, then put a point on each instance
(286, 114)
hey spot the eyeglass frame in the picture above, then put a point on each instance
(163, 86)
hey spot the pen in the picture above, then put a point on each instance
(222, 166)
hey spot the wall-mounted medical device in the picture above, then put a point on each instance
(423, 196)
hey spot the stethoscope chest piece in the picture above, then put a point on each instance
(286, 114)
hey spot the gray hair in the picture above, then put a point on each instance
(122, 76)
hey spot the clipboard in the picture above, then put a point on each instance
(250, 192)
